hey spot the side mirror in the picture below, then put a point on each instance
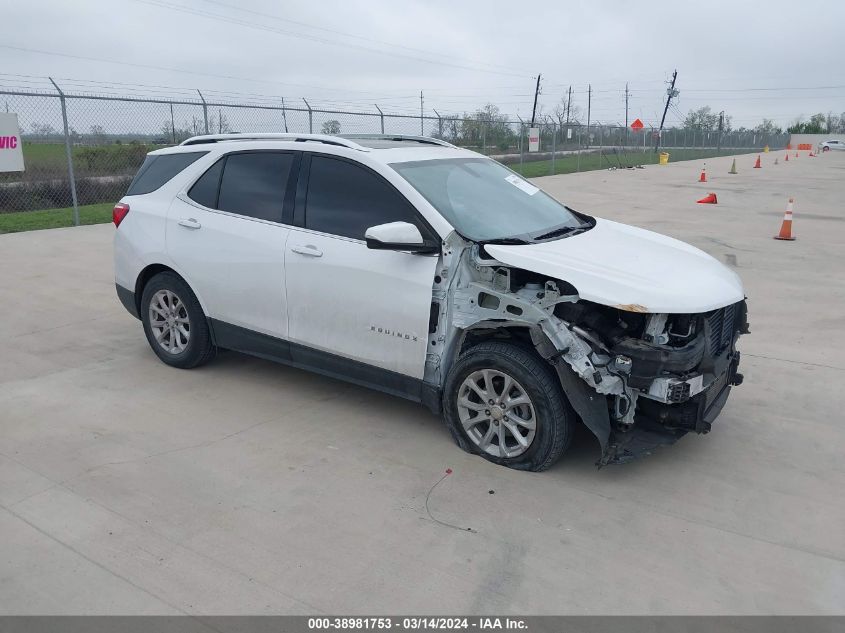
(398, 236)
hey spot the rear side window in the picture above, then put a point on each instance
(345, 199)
(158, 169)
(205, 189)
(254, 184)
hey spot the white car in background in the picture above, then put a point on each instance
(832, 144)
(433, 273)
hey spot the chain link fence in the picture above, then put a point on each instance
(82, 149)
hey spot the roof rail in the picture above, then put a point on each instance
(399, 137)
(274, 136)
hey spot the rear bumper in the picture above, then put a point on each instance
(127, 298)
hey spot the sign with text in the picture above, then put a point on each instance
(11, 147)
(534, 139)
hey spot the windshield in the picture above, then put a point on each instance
(485, 201)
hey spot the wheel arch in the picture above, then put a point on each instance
(464, 338)
(518, 333)
(150, 271)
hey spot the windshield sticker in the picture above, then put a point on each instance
(519, 183)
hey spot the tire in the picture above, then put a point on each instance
(552, 416)
(168, 301)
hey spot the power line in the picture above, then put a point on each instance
(175, 70)
(314, 38)
(764, 89)
(346, 34)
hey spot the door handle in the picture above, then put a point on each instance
(308, 249)
(190, 223)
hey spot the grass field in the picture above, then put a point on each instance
(100, 213)
(589, 162)
(54, 218)
(49, 160)
(55, 154)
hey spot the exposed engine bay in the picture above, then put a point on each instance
(637, 380)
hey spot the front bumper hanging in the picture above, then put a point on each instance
(659, 424)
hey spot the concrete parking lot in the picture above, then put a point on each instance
(248, 487)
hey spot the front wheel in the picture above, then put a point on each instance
(174, 322)
(505, 403)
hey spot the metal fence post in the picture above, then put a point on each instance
(439, 124)
(69, 153)
(172, 124)
(554, 137)
(381, 116)
(601, 141)
(204, 110)
(578, 162)
(310, 117)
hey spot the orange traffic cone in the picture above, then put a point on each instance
(703, 176)
(757, 164)
(786, 228)
(710, 198)
(786, 160)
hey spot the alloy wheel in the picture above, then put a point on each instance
(496, 413)
(169, 321)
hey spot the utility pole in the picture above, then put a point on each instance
(568, 104)
(671, 92)
(626, 105)
(421, 114)
(536, 92)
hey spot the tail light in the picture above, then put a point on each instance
(119, 212)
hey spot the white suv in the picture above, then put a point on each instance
(430, 272)
(826, 146)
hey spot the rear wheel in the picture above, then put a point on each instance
(174, 322)
(505, 403)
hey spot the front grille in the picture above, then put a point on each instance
(722, 325)
(715, 389)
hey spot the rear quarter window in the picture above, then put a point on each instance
(158, 169)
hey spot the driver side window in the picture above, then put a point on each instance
(346, 199)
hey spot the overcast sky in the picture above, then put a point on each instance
(775, 59)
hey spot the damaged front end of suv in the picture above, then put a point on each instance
(637, 376)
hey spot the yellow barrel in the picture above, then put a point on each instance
(664, 158)
(766, 149)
